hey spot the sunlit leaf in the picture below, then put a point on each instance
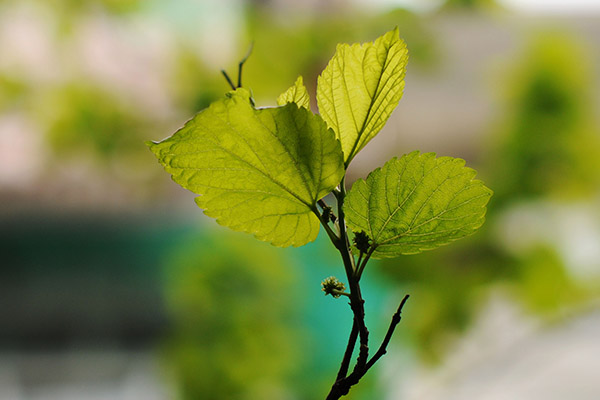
(295, 94)
(359, 89)
(417, 202)
(259, 171)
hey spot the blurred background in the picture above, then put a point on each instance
(113, 285)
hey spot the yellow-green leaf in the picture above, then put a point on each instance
(359, 89)
(259, 171)
(295, 94)
(417, 202)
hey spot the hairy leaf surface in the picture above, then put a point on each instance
(259, 171)
(359, 89)
(295, 94)
(417, 202)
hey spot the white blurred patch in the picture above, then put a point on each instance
(572, 228)
(506, 355)
(219, 27)
(126, 56)
(22, 154)
(27, 42)
(553, 6)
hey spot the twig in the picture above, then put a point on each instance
(332, 235)
(228, 79)
(240, 67)
(241, 64)
(359, 331)
(360, 257)
(388, 336)
(343, 372)
(361, 267)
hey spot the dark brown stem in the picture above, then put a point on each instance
(228, 79)
(241, 64)
(388, 336)
(356, 300)
(343, 381)
(361, 266)
(342, 386)
(343, 372)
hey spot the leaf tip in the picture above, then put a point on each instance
(154, 147)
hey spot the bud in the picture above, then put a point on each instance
(328, 214)
(362, 241)
(333, 287)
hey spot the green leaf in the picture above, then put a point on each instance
(295, 94)
(359, 89)
(417, 202)
(259, 171)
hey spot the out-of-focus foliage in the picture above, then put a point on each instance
(547, 149)
(549, 145)
(285, 48)
(89, 120)
(234, 331)
(196, 85)
(12, 91)
(95, 99)
(469, 4)
(544, 284)
(447, 288)
(250, 322)
(111, 6)
(305, 45)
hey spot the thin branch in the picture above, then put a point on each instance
(332, 235)
(363, 353)
(354, 270)
(346, 254)
(338, 293)
(356, 300)
(388, 336)
(343, 372)
(360, 257)
(361, 267)
(241, 64)
(240, 67)
(228, 79)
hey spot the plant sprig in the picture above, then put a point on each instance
(266, 171)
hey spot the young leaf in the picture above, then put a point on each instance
(359, 89)
(416, 203)
(259, 171)
(295, 94)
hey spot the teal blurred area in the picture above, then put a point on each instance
(113, 285)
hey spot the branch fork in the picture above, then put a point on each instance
(354, 269)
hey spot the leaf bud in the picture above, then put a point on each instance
(328, 214)
(362, 241)
(333, 286)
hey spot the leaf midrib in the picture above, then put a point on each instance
(263, 172)
(372, 102)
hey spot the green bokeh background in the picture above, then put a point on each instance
(98, 247)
